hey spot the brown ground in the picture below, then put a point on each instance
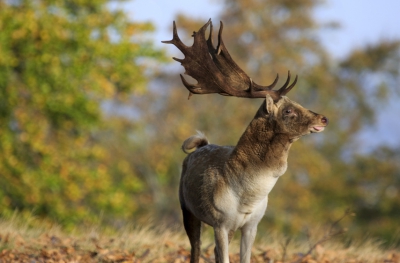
(15, 247)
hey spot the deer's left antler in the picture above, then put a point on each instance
(215, 70)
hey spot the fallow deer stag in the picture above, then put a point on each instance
(227, 187)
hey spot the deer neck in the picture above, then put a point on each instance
(260, 147)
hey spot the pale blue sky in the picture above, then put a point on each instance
(362, 22)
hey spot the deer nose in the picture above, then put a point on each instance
(324, 120)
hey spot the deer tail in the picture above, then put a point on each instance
(195, 141)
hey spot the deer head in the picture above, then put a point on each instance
(288, 117)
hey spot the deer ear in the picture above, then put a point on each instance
(269, 104)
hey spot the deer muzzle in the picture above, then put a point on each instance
(323, 122)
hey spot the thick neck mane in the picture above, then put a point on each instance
(260, 146)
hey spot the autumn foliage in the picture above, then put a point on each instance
(58, 64)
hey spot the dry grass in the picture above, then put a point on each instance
(21, 242)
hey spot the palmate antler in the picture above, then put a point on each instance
(215, 70)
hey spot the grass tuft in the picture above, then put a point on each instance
(27, 239)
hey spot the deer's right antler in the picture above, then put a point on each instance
(215, 70)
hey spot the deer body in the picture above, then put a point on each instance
(214, 191)
(227, 187)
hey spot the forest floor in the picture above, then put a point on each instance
(20, 242)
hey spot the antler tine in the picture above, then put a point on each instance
(286, 84)
(221, 28)
(290, 87)
(175, 39)
(190, 87)
(272, 85)
(194, 88)
(210, 36)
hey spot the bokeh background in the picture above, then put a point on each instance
(93, 114)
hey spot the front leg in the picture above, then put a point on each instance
(246, 242)
(230, 236)
(221, 245)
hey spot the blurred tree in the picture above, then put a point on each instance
(59, 61)
(265, 38)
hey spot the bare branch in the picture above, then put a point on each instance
(328, 235)
(284, 248)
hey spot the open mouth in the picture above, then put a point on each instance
(317, 128)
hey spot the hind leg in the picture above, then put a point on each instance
(193, 231)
